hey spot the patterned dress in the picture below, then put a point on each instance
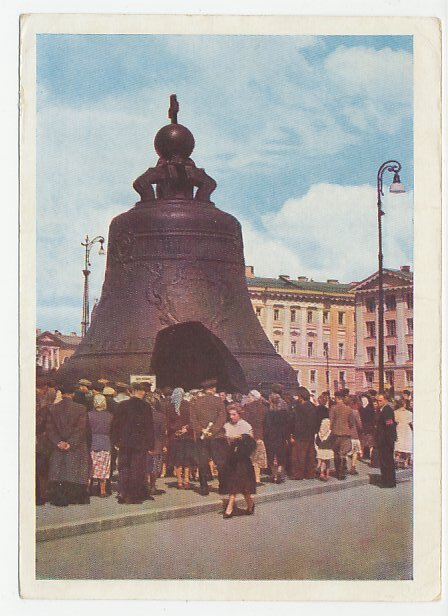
(100, 422)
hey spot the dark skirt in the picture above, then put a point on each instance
(154, 464)
(238, 477)
(368, 440)
(63, 493)
(275, 450)
(181, 452)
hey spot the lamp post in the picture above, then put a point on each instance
(393, 166)
(85, 298)
(327, 371)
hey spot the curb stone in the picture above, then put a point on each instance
(109, 522)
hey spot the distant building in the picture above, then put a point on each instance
(53, 348)
(311, 325)
(398, 330)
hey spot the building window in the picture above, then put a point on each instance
(293, 347)
(313, 377)
(277, 346)
(390, 378)
(391, 353)
(326, 316)
(310, 349)
(309, 316)
(341, 350)
(276, 314)
(341, 318)
(409, 377)
(409, 300)
(370, 304)
(326, 351)
(258, 311)
(410, 326)
(371, 352)
(410, 352)
(342, 378)
(368, 374)
(370, 329)
(293, 316)
(391, 303)
(391, 328)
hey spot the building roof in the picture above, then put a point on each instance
(299, 285)
(70, 339)
(61, 340)
(401, 275)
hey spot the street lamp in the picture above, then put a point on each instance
(393, 166)
(85, 299)
(327, 371)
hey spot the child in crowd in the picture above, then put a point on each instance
(324, 446)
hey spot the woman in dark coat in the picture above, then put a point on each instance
(254, 413)
(239, 474)
(276, 432)
(180, 438)
(367, 414)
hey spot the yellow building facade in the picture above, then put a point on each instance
(311, 325)
(398, 330)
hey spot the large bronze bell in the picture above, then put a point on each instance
(174, 301)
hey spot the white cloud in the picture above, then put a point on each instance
(331, 232)
(293, 107)
(376, 73)
(374, 86)
(254, 111)
(267, 253)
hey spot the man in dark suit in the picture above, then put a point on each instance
(386, 435)
(66, 430)
(322, 409)
(303, 452)
(132, 433)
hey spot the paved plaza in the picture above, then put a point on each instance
(106, 514)
(347, 530)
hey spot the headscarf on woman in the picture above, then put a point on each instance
(275, 400)
(324, 430)
(255, 394)
(99, 402)
(176, 398)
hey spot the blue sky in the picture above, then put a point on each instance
(293, 130)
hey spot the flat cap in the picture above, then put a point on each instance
(209, 383)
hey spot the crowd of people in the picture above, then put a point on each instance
(88, 432)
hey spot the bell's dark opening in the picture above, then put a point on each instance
(188, 353)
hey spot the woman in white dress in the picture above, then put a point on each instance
(403, 444)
